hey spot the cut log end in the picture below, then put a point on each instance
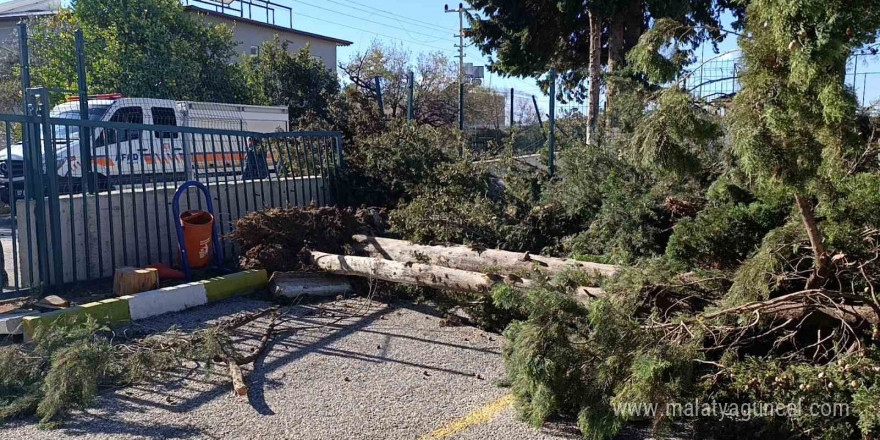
(238, 386)
(129, 280)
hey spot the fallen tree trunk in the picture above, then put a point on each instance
(416, 274)
(427, 275)
(465, 258)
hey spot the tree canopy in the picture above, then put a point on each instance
(139, 48)
(300, 81)
(528, 38)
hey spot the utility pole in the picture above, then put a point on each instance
(461, 11)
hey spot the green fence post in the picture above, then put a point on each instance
(25, 61)
(28, 131)
(552, 144)
(511, 107)
(85, 138)
(409, 96)
(51, 155)
(379, 98)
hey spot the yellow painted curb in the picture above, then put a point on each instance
(477, 417)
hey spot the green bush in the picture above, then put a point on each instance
(722, 236)
(388, 168)
(567, 360)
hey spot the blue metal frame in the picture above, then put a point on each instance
(215, 237)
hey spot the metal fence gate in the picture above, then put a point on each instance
(87, 197)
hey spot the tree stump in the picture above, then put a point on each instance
(128, 280)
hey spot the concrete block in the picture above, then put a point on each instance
(11, 323)
(170, 299)
(109, 311)
(237, 284)
(292, 285)
(66, 317)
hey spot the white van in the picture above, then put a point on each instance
(123, 156)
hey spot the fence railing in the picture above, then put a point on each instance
(87, 197)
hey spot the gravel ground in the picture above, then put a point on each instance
(354, 369)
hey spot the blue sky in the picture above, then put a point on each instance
(423, 26)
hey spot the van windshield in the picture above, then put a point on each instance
(63, 132)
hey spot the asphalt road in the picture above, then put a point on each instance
(349, 369)
(353, 369)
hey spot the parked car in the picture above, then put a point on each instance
(129, 155)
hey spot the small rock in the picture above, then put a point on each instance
(347, 379)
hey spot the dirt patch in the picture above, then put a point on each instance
(276, 239)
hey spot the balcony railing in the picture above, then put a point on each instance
(265, 11)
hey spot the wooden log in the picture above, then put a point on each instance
(238, 385)
(417, 274)
(466, 258)
(294, 284)
(128, 280)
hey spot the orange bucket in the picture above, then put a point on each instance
(198, 227)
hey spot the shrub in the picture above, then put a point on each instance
(388, 168)
(567, 360)
(722, 236)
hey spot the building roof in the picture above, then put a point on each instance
(18, 9)
(339, 42)
(29, 7)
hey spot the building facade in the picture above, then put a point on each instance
(248, 32)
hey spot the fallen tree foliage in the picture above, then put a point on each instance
(275, 239)
(68, 364)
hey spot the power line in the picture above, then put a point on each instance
(432, 28)
(420, 22)
(359, 18)
(375, 33)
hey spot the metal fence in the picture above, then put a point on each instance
(90, 190)
(91, 196)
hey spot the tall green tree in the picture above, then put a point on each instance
(149, 48)
(298, 80)
(576, 37)
(794, 121)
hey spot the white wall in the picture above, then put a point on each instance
(248, 34)
(152, 239)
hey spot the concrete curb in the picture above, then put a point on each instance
(148, 304)
(10, 324)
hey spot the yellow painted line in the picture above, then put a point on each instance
(477, 417)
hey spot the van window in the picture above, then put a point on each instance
(164, 116)
(127, 115)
